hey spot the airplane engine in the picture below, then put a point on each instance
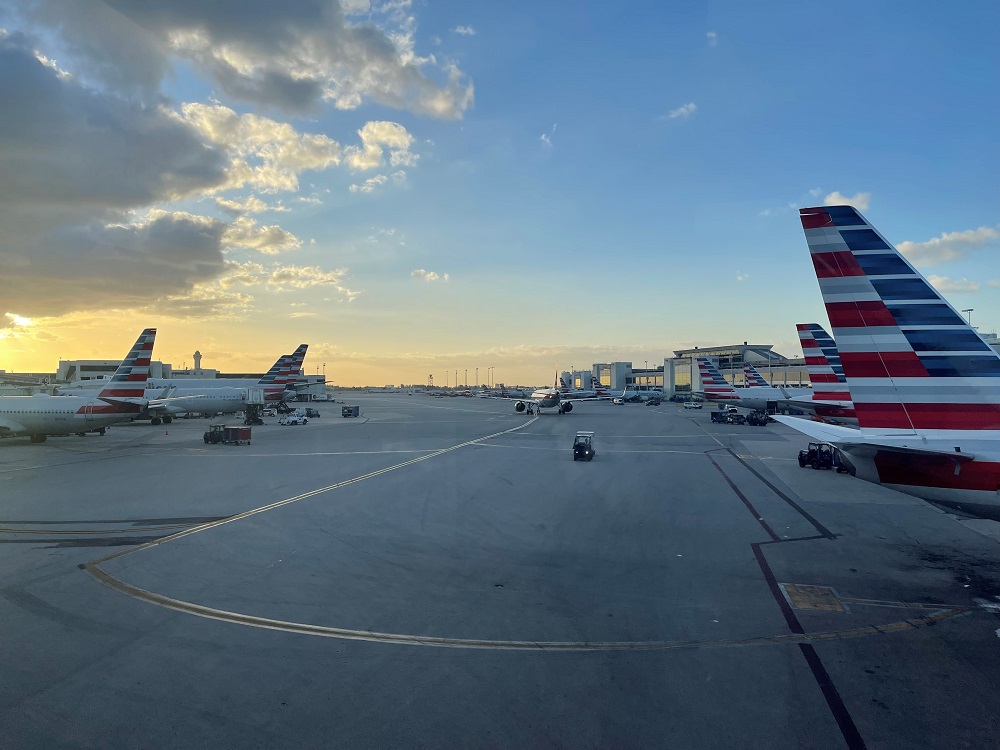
(567, 407)
(519, 407)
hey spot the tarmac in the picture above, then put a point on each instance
(440, 573)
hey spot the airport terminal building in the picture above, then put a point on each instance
(676, 375)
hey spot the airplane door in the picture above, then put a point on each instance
(88, 413)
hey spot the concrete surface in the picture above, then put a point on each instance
(440, 573)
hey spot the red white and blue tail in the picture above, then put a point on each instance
(128, 384)
(713, 385)
(826, 373)
(911, 361)
(753, 378)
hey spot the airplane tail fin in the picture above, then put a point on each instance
(753, 378)
(911, 360)
(823, 363)
(285, 369)
(129, 380)
(712, 384)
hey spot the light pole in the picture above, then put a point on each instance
(477, 377)
(969, 311)
(466, 377)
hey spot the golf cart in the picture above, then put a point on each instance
(583, 446)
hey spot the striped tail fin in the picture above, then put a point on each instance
(713, 385)
(753, 378)
(911, 361)
(129, 380)
(823, 363)
(286, 369)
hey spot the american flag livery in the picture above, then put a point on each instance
(713, 385)
(283, 374)
(912, 362)
(823, 363)
(753, 378)
(129, 380)
(126, 390)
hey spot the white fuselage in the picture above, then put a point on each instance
(57, 415)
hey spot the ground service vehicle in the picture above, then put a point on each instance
(583, 446)
(821, 456)
(350, 411)
(720, 417)
(692, 404)
(757, 418)
(293, 419)
(220, 433)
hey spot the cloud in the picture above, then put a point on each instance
(740, 276)
(430, 276)
(98, 266)
(270, 240)
(293, 56)
(546, 138)
(713, 38)
(683, 112)
(464, 30)
(264, 154)
(376, 135)
(947, 285)
(280, 277)
(250, 205)
(859, 200)
(370, 184)
(949, 246)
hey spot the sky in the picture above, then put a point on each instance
(416, 188)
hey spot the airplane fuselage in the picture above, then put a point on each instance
(58, 415)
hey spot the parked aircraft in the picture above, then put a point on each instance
(566, 390)
(152, 384)
(714, 387)
(273, 386)
(925, 385)
(121, 398)
(831, 398)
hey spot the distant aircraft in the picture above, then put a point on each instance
(714, 387)
(578, 393)
(925, 385)
(160, 383)
(831, 398)
(226, 399)
(552, 398)
(752, 378)
(121, 398)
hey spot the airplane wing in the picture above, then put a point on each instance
(9, 426)
(852, 441)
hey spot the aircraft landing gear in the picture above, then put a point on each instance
(38, 438)
(168, 419)
(155, 421)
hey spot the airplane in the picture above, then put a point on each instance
(831, 398)
(226, 399)
(925, 385)
(714, 387)
(552, 398)
(154, 383)
(566, 390)
(752, 378)
(121, 398)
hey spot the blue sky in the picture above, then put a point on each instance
(533, 184)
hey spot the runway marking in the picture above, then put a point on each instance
(324, 631)
(92, 567)
(201, 452)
